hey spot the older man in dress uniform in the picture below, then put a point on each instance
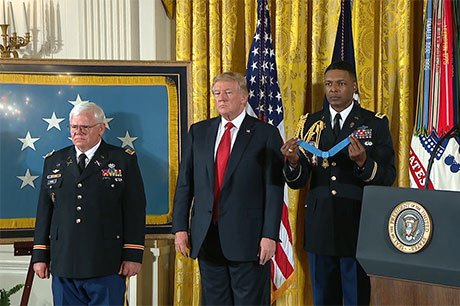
(89, 231)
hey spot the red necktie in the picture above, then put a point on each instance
(222, 155)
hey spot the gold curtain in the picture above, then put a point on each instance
(216, 36)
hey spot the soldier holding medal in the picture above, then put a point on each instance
(342, 148)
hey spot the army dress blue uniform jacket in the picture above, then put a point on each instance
(88, 224)
(333, 204)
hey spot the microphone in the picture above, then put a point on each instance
(453, 132)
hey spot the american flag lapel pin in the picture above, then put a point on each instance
(248, 131)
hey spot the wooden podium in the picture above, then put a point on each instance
(427, 276)
(393, 291)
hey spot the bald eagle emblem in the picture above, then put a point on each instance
(410, 227)
(410, 223)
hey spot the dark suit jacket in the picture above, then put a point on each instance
(334, 201)
(93, 221)
(252, 192)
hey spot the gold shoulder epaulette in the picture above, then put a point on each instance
(380, 115)
(129, 151)
(300, 126)
(49, 154)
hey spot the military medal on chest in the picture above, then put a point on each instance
(111, 171)
(364, 133)
(325, 163)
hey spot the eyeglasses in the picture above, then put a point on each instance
(83, 128)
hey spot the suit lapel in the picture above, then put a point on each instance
(327, 139)
(242, 140)
(99, 159)
(211, 135)
(354, 120)
(71, 163)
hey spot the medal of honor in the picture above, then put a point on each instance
(325, 163)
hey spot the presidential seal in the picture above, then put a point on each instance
(410, 227)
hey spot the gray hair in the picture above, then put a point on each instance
(90, 107)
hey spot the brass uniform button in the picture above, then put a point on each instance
(333, 178)
(78, 221)
(334, 192)
(334, 164)
(79, 185)
(78, 208)
(79, 197)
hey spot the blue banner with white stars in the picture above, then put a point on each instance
(34, 119)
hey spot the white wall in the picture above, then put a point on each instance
(84, 29)
(13, 271)
(95, 29)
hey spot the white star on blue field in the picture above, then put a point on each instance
(35, 119)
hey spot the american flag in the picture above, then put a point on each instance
(343, 46)
(266, 104)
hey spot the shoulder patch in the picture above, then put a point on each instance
(129, 151)
(49, 154)
(380, 115)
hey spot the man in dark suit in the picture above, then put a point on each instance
(231, 171)
(89, 231)
(334, 201)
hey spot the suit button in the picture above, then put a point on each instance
(334, 164)
(333, 178)
(78, 208)
(113, 185)
(78, 221)
(334, 192)
(79, 197)
(79, 185)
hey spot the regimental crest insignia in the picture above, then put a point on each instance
(410, 227)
